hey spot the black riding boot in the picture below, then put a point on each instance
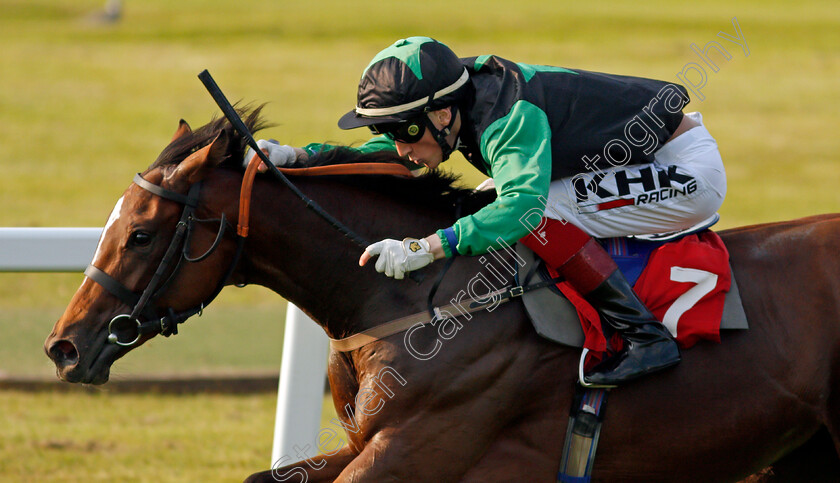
(648, 346)
(583, 262)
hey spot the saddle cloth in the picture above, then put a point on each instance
(687, 283)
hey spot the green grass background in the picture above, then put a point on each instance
(84, 105)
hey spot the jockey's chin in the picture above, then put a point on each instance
(428, 164)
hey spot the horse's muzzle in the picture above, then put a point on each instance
(69, 365)
(64, 354)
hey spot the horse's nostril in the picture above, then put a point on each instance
(64, 353)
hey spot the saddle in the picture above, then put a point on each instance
(554, 317)
(558, 319)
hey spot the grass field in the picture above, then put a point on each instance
(85, 105)
(83, 437)
(203, 344)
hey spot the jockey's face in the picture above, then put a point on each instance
(426, 152)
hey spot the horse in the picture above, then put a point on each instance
(492, 403)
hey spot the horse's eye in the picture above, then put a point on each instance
(140, 238)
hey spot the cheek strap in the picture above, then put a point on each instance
(440, 134)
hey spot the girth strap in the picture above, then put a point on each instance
(456, 309)
(582, 435)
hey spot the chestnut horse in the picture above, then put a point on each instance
(492, 403)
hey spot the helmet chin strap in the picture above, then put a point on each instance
(440, 135)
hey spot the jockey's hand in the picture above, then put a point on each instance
(281, 156)
(398, 257)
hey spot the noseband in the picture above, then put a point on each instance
(143, 304)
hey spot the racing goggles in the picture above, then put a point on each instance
(408, 132)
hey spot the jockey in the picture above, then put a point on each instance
(573, 155)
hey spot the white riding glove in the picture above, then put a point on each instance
(280, 155)
(398, 257)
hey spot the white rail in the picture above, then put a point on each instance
(47, 249)
(301, 384)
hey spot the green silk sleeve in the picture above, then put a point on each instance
(518, 149)
(374, 144)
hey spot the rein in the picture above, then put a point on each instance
(236, 122)
(143, 304)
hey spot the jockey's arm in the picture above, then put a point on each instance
(285, 156)
(517, 148)
(374, 144)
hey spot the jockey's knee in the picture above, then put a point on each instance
(712, 193)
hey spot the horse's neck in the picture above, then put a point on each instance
(298, 254)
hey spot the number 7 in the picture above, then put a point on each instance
(706, 282)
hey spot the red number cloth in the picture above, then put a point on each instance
(700, 257)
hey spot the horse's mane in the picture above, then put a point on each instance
(180, 148)
(435, 188)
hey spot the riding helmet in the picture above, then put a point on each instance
(412, 76)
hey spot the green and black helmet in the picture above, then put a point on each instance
(411, 77)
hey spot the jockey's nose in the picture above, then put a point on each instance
(403, 149)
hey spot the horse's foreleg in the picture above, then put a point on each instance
(313, 470)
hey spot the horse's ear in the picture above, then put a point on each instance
(183, 130)
(196, 166)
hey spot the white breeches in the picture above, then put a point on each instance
(683, 187)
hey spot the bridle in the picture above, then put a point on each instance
(143, 304)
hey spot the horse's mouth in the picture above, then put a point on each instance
(100, 369)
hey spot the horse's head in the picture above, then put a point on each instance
(148, 272)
